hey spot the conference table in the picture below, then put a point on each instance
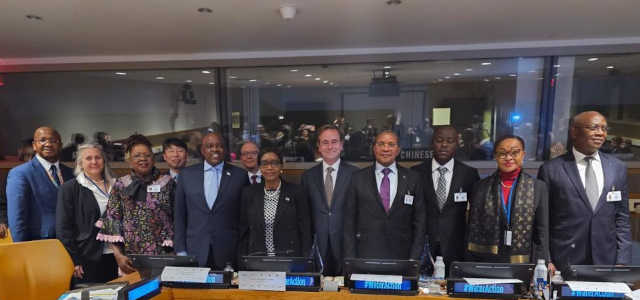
(234, 293)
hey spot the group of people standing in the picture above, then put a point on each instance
(575, 212)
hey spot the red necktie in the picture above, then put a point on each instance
(253, 179)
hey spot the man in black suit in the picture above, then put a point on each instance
(249, 158)
(446, 182)
(588, 200)
(326, 185)
(385, 214)
(207, 207)
(174, 152)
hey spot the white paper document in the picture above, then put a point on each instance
(105, 294)
(377, 278)
(185, 274)
(587, 286)
(262, 281)
(480, 281)
(635, 295)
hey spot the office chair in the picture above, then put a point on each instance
(36, 270)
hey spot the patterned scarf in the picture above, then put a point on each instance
(137, 190)
(486, 214)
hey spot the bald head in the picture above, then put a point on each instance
(212, 148)
(46, 143)
(588, 132)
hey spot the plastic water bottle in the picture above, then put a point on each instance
(557, 278)
(439, 266)
(540, 277)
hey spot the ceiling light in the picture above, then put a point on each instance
(233, 77)
(609, 67)
(121, 73)
(206, 72)
(318, 78)
(456, 74)
(253, 80)
(498, 78)
(486, 80)
(468, 70)
(34, 17)
(189, 81)
(331, 83)
(205, 10)
(394, 2)
(326, 81)
(159, 78)
(267, 83)
(513, 75)
(387, 67)
(556, 66)
(279, 84)
(289, 86)
(294, 70)
(447, 77)
(593, 59)
(308, 75)
(439, 79)
(288, 11)
(212, 83)
(485, 63)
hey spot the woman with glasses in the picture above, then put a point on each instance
(81, 202)
(274, 216)
(508, 219)
(139, 215)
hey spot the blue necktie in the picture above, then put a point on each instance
(212, 183)
(54, 173)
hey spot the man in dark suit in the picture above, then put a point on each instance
(249, 158)
(4, 228)
(385, 214)
(207, 207)
(174, 152)
(32, 189)
(588, 200)
(326, 185)
(446, 182)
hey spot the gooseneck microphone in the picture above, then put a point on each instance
(568, 269)
(290, 251)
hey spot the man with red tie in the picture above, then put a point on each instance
(249, 158)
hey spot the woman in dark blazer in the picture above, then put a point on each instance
(274, 216)
(81, 202)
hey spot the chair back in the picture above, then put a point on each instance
(8, 239)
(35, 270)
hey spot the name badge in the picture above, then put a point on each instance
(460, 197)
(408, 199)
(507, 237)
(153, 188)
(614, 196)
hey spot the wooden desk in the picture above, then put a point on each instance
(236, 294)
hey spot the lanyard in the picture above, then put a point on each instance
(59, 174)
(94, 184)
(507, 210)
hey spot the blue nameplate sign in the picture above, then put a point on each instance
(567, 292)
(388, 286)
(484, 289)
(293, 281)
(141, 291)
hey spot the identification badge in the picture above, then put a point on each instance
(614, 196)
(507, 237)
(460, 197)
(153, 188)
(408, 199)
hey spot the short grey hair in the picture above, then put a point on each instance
(107, 173)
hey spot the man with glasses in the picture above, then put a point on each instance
(588, 200)
(32, 189)
(385, 214)
(207, 207)
(249, 158)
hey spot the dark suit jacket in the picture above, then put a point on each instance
(31, 199)
(292, 225)
(196, 226)
(370, 232)
(327, 221)
(601, 237)
(449, 224)
(3, 202)
(76, 214)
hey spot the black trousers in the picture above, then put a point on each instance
(104, 270)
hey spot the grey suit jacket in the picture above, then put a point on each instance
(601, 237)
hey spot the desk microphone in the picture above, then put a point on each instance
(290, 251)
(567, 274)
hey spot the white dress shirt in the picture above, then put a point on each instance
(596, 163)
(334, 173)
(393, 180)
(47, 165)
(173, 174)
(448, 176)
(258, 179)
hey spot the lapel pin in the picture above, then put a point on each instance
(404, 176)
(286, 198)
(228, 173)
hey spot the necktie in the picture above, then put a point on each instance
(591, 183)
(54, 174)
(441, 191)
(212, 192)
(253, 179)
(385, 189)
(328, 185)
(175, 177)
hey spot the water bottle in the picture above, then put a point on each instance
(426, 264)
(557, 278)
(439, 266)
(540, 278)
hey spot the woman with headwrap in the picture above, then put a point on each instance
(139, 215)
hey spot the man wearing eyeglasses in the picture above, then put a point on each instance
(385, 214)
(207, 207)
(249, 158)
(32, 189)
(588, 200)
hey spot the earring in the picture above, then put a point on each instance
(280, 171)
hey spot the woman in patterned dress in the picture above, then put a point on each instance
(274, 217)
(139, 215)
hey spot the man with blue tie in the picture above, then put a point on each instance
(385, 213)
(207, 207)
(588, 200)
(174, 152)
(32, 189)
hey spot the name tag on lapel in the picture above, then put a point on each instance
(408, 199)
(460, 197)
(614, 196)
(153, 188)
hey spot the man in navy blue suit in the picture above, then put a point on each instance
(32, 189)
(588, 200)
(207, 207)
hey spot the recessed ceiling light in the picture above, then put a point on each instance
(253, 80)
(279, 84)
(456, 74)
(289, 86)
(159, 77)
(486, 80)
(394, 2)
(498, 78)
(326, 81)
(34, 17)
(468, 70)
(557, 66)
(387, 67)
(308, 75)
(233, 77)
(205, 10)
(188, 81)
(267, 83)
(206, 72)
(212, 83)
(609, 67)
(439, 79)
(485, 64)
(294, 70)
(318, 78)
(121, 73)
(593, 59)
(513, 75)
(447, 77)
(331, 83)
